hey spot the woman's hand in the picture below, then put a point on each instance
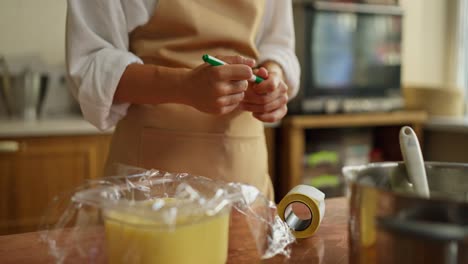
(268, 99)
(217, 89)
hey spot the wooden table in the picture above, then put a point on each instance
(329, 245)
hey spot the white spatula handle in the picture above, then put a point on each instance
(414, 161)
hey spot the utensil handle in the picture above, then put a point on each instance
(414, 161)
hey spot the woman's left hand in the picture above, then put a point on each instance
(268, 99)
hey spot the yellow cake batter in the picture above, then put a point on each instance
(133, 239)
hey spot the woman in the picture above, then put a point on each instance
(137, 65)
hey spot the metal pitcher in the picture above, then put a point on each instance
(28, 94)
(22, 94)
(5, 91)
(389, 223)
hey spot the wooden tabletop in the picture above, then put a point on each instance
(329, 245)
(357, 119)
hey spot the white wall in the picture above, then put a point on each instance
(425, 42)
(38, 26)
(33, 26)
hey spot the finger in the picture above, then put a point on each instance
(233, 99)
(265, 108)
(237, 59)
(272, 117)
(261, 72)
(266, 86)
(237, 87)
(252, 97)
(227, 109)
(255, 98)
(232, 87)
(234, 72)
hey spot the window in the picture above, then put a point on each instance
(462, 75)
(456, 70)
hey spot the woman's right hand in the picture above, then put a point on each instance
(217, 89)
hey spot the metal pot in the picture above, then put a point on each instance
(389, 223)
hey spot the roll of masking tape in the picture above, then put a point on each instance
(314, 201)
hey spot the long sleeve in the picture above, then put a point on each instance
(98, 41)
(276, 40)
(97, 55)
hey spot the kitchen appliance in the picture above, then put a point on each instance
(28, 93)
(389, 223)
(5, 91)
(350, 56)
(23, 89)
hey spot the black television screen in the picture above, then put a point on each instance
(352, 54)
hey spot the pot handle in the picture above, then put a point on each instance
(424, 229)
(447, 233)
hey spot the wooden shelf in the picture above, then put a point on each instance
(350, 120)
(293, 137)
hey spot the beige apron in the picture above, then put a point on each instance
(179, 138)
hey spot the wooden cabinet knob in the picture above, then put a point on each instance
(9, 146)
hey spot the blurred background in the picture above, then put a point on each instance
(368, 68)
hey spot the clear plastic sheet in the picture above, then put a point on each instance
(122, 217)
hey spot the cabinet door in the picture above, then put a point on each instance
(8, 150)
(46, 167)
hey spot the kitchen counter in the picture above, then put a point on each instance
(329, 245)
(65, 126)
(76, 125)
(48, 127)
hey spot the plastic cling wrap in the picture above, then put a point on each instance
(158, 217)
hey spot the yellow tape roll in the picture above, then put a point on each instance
(315, 202)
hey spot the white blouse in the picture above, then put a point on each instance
(97, 54)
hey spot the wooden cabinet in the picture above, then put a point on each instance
(292, 147)
(35, 170)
